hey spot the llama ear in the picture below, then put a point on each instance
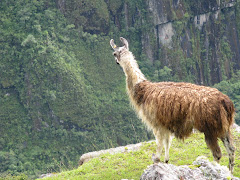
(125, 42)
(112, 44)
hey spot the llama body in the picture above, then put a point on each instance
(174, 109)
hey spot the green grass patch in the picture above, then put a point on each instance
(132, 164)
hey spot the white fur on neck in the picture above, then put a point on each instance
(131, 68)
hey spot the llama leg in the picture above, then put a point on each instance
(212, 143)
(159, 142)
(167, 144)
(228, 143)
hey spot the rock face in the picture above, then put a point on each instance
(199, 40)
(206, 33)
(201, 169)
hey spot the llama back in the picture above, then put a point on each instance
(180, 107)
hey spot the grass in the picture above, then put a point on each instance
(131, 165)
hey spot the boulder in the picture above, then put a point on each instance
(202, 169)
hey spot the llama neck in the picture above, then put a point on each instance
(132, 71)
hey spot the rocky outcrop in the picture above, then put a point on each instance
(236, 128)
(201, 169)
(131, 147)
(206, 32)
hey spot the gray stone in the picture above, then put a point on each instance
(201, 169)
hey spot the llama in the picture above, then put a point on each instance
(175, 109)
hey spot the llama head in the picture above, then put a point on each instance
(119, 51)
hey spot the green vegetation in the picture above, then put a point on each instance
(232, 89)
(131, 165)
(61, 93)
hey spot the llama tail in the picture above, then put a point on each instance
(230, 110)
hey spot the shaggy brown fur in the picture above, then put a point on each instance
(180, 107)
(170, 108)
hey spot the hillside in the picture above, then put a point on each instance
(130, 165)
(62, 94)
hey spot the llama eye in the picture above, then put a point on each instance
(115, 54)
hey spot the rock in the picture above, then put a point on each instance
(236, 128)
(131, 147)
(47, 175)
(201, 169)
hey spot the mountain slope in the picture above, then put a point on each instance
(60, 91)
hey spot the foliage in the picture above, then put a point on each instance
(91, 15)
(60, 92)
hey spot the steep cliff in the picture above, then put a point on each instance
(198, 39)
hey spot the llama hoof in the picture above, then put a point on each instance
(155, 158)
(231, 170)
(231, 166)
(217, 159)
